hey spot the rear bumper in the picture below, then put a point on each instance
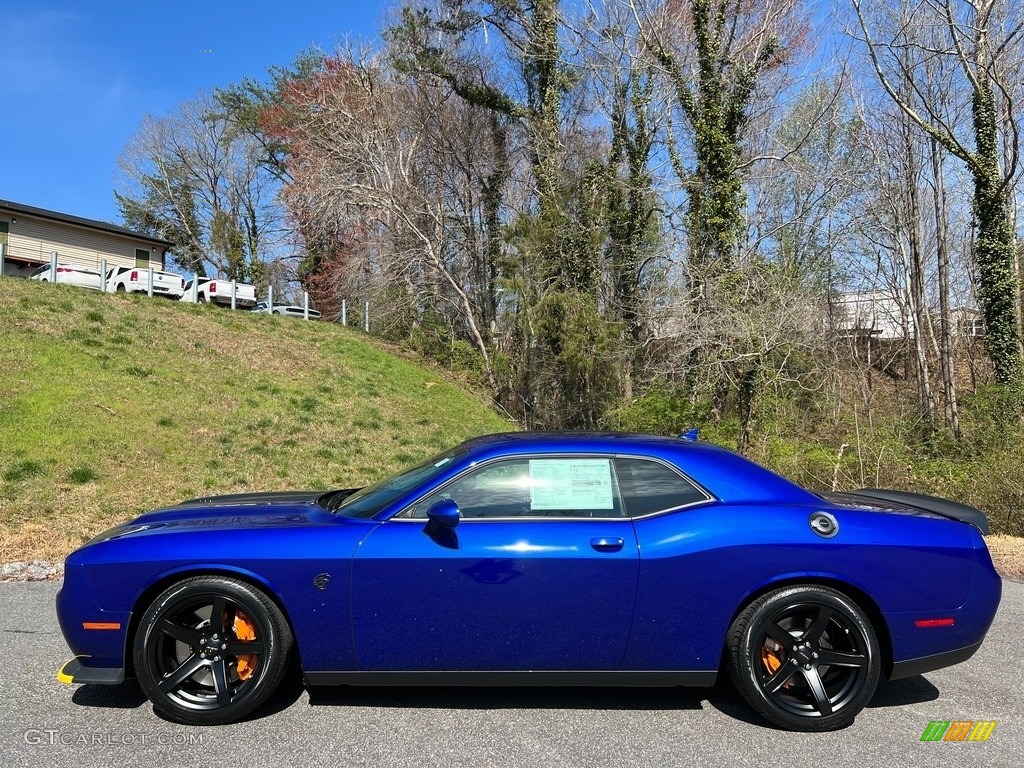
(77, 672)
(918, 649)
(911, 667)
(239, 302)
(173, 292)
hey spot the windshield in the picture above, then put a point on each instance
(370, 500)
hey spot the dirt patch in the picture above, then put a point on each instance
(1008, 555)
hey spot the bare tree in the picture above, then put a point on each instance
(193, 179)
(381, 161)
(983, 39)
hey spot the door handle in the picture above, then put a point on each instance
(602, 544)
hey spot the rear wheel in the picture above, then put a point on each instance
(210, 650)
(805, 657)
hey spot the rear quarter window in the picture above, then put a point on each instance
(649, 486)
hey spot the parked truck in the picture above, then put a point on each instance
(211, 290)
(136, 280)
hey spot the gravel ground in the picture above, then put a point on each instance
(36, 570)
(46, 724)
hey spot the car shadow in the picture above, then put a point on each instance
(910, 690)
(127, 695)
(445, 697)
(726, 699)
(288, 692)
(722, 697)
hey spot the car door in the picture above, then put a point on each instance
(686, 570)
(539, 574)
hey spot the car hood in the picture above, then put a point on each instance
(238, 510)
(250, 499)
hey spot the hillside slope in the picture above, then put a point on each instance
(111, 405)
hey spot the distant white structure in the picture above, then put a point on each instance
(868, 313)
(877, 315)
(967, 322)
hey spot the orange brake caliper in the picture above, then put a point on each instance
(769, 656)
(244, 630)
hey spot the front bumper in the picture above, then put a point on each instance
(77, 672)
(97, 638)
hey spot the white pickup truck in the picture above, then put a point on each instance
(209, 289)
(136, 280)
(288, 310)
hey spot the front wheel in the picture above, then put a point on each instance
(806, 658)
(210, 650)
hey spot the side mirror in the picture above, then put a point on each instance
(444, 513)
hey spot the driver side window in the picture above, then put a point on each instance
(540, 487)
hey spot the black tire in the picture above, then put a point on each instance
(203, 299)
(121, 288)
(806, 658)
(197, 673)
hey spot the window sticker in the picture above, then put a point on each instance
(571, 484)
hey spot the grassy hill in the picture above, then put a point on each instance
(111, 405)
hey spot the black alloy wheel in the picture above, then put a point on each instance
(806, 658)
(210, 650)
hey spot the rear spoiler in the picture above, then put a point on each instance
(944, 507)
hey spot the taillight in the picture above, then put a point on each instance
(135, 276)
(183, 284)
(65, 269)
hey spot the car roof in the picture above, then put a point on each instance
(729, 476)
(582, 440)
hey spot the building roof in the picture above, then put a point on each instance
(103, 226)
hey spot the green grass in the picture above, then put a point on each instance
(112, 406)
(22, 469)
(80, 475)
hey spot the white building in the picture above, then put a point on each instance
(28, 235)
(868, 313)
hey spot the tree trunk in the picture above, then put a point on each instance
(951, 410)
(917, 302)
(994, 249)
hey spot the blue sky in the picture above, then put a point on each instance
(76, 78)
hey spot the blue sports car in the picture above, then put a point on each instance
(537, 559)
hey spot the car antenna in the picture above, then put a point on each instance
(691, 434)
